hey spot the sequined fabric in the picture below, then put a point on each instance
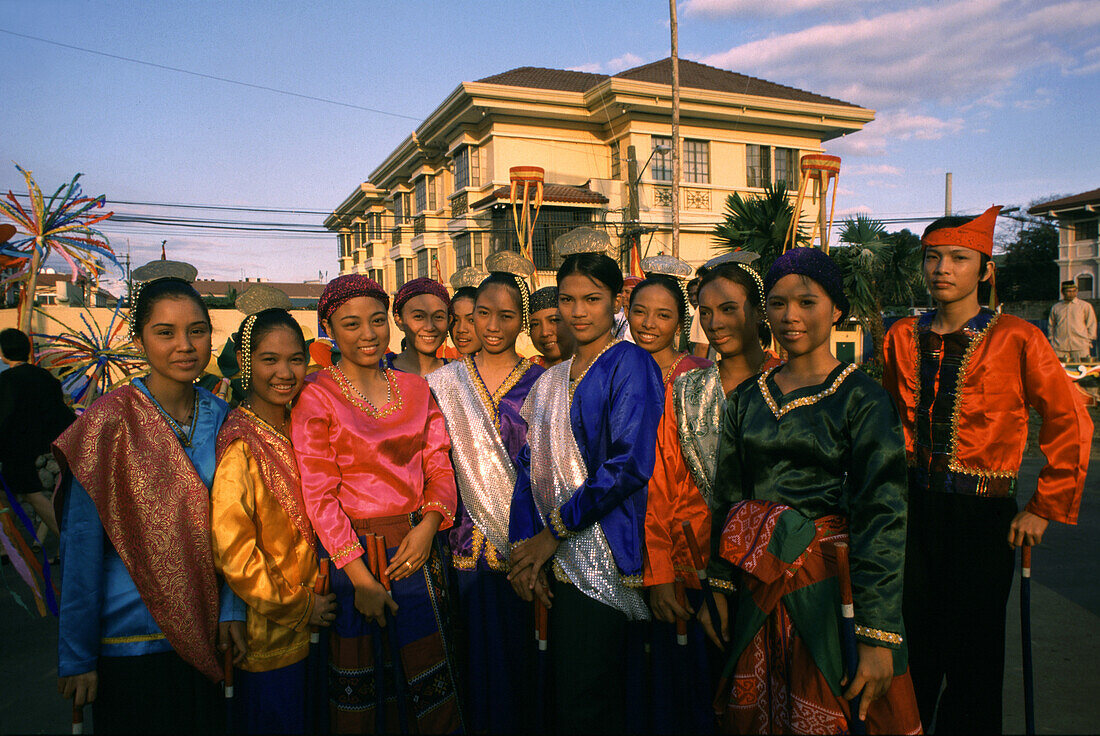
(484, 471)
(699, 402)
(557, 471)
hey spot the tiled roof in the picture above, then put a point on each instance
(293, 289)
(692, 74)
(700, 76)
(540, 78)
(1090, 197)
(551, 194)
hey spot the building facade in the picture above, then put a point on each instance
(1078, 219)
(441, 200)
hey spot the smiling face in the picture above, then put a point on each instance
(550, 336)
(176, 339)
(423, 319)
(801, 314)
(654, 318)
(728, 317)
(587, 306)
(497, 318)
(361, 329)
(278, 367)
(953, 272)
(462, 326)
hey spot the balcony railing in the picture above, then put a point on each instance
(460, 204)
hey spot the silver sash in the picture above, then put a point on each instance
(699, 401)
(484, 472)
(557, 471)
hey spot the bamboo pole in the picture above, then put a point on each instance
(676, 163)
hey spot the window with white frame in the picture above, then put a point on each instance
(786, 167)
(467, 168)
(757, 165)
(660, 168)
(616, 162)
(421, 189)
(462, 251)
(697, 162)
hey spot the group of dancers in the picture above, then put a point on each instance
(614, 536)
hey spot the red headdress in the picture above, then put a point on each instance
(977, 234)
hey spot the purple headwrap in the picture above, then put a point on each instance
(342, 288)
(813, 264)
(416, 287)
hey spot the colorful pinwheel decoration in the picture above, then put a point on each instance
(89, 361)
(63, 224)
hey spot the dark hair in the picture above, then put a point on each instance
(753, 288)
(508, 280)
(466, 292)
(15, 345)
(151, 293)
(595, 266)
(945, 222)
(671, 285)
(266, 322)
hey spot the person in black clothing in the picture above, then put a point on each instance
(33, 413)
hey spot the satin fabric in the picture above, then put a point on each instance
(137, 570)
(359, 464)
(258, 544)
(838, 449)
(614, 415)
(1010, 366)
(687, 362)
(469, 547)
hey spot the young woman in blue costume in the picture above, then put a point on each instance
(481, 397)
(580, 497)
(139, 591)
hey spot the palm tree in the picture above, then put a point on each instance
(758, 224)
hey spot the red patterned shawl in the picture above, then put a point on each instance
(156, 512)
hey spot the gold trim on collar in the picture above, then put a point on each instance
(779, 413)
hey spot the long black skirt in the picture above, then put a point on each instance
(155, 693)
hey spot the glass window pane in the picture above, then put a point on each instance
(661, 166)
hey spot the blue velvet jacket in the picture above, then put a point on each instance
(615, 411)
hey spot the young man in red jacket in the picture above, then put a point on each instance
(963, 377)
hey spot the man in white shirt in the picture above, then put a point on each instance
(1072, 326)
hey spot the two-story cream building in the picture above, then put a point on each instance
(1078, 220)
(444, 192)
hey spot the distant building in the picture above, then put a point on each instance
(444, 192)
(303, 295)
(1078, 220)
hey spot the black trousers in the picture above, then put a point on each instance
(588, 642)
(958, 573)
(155, 693)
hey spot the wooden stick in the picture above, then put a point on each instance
(681, 624)
(78, 718)
(701, 572)
(848, 632)
(1025, 639)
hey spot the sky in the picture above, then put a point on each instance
(1002, 93)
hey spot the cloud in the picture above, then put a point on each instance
(946, 53)
(874, 169)
(719, 8)
(859, 209)
(618, 64)
(891, 125)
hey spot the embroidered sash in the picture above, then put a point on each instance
(156, 512)
(484, 472)
(557, 471)
(275, 458)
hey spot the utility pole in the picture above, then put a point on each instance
(632, 205)
(947, 196)
(676, 164)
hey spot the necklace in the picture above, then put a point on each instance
(185, 438)
(280, 430)
(672, 367)
(355, 396)
(573, 384)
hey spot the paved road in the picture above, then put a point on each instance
(1065, 611)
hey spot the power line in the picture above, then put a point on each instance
(214, 77)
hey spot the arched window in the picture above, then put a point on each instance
(1084, 285)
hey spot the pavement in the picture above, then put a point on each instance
(1065, 629)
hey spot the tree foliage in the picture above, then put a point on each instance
(758, 224)
(1030, 269)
